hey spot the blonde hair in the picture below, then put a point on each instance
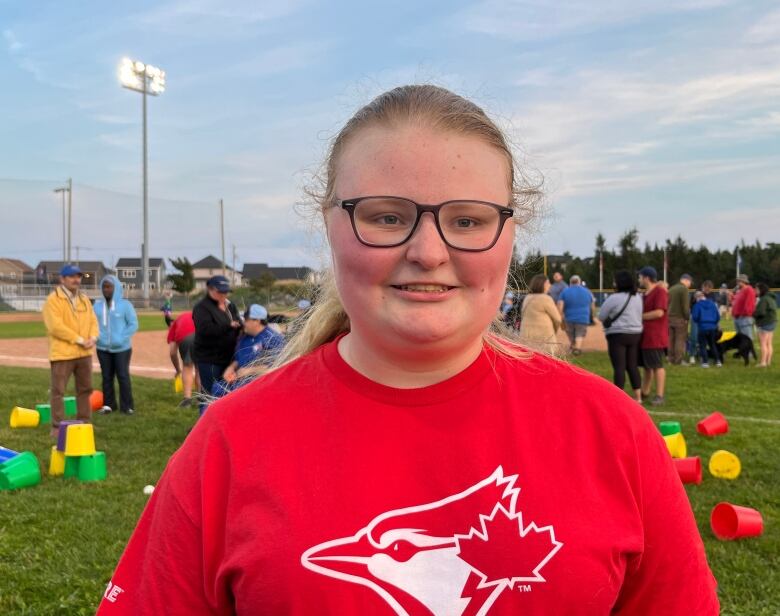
(426, 106)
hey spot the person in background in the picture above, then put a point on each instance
(347, 481)
(655, 335)
(167, 309)
(576, 306)
(724, 300)
(679, 315)
(540, 319)
(765, 315)
(621, 315)
(118, 322)
(557, 287)
(181, 348)
(743, 306)
(217, 327)
(258, 347)
(72, 329)
(706, 315)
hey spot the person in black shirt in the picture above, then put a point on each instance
(217, 327)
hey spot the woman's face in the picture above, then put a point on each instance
(422, 292)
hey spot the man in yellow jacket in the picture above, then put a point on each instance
(72, 328)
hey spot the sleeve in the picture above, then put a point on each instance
(552, 312)
(695, 312)
(606, 308)
(132, 319)
(672, 568)
(54, 325)
(94, 328)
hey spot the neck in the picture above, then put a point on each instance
(405, 369)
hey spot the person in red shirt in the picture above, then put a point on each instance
(181, 341)
(405, 457)
(743, 306)
(655, 334)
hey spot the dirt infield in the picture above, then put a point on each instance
(150, 351)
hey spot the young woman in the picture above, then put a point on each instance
(624, 311)
(766, 322)
(405, 459)
(540, 319)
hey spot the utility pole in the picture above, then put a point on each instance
(64, 225)
(70, 214)
(233, 282)
(222, 232)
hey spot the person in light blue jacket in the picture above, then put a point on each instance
(118, 322)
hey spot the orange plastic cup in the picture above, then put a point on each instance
(713, 424)
(689, 469)
(735, 522)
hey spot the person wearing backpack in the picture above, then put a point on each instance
(621, 316)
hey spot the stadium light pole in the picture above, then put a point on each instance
(146, 79)
(64, 241)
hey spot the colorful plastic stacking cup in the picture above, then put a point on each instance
(70, 406)
(93, 468)
(44, 410)
(713, 424)
(96, 400)
(63, 433)
(675, 443)
(178, 385)
(80, 440)
(56, 462)
(7, 454)
(20, 471)
(670, 427)
(71, 467)
(24, 418)
(735, 522)
(725, 465)
(689, 469)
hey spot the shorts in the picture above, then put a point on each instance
(652, 359)
(576, 330)
(186, 348)
(768, 328)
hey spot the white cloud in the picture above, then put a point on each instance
(13, 43)
(766, 29)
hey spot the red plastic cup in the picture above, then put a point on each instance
(735, 522)
(689, 469)
(713, 424)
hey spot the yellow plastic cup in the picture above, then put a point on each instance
(24, 418)
(725, 465)
(56, 462)
(178, 386)
(675, 443)
(80, 440)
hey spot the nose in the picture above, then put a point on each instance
(426, 246)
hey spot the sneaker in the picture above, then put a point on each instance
(576, 352)
(692, 361)
(105, 410)
(186, 402)
(719, 365)
(658, 401)
(128, 412)
(705, 365)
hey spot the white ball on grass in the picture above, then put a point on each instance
(148, 490)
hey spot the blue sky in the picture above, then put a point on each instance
(658, 114)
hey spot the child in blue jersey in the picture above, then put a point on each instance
(706, 316)
(259, 344)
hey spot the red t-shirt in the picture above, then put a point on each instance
(744, 304)
(182, 327)
(515, 487)
(655, 333)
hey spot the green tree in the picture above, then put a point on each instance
(262, 285)
(185, 281)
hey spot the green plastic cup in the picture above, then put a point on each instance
(93, 468)
(21, 471)
(44, 410)
(670, 427)
(71, 466)
(70, 406)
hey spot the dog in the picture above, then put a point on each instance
(740, 343)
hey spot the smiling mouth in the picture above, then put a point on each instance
(423, 288)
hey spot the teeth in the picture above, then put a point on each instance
(425, 288)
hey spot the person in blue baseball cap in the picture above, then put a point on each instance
(655, 335)
(72, 328)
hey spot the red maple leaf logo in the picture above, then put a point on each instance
(505, 552)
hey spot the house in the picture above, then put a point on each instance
(559, 262)
(253, 271)
(48, 272)
(130, 273)
(211, 266)
(14, 271)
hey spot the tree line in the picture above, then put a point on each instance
(760, 262)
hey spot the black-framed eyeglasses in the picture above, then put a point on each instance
(385, 222)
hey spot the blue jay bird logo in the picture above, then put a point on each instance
(451, 557)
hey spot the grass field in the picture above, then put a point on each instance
(36, 329)
(60, 541)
